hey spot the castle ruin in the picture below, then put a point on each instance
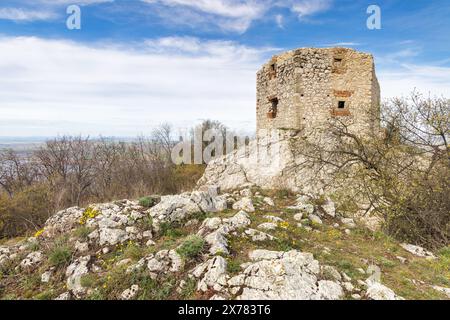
(304, 88)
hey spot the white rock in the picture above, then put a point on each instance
(212, 274)
(418, 251)
(246, 193)
(329, 290)
(123, 262)
(268, 226)
(298, 216)
(283, 276)
(348, 286)
(165, 261)
(377, 291)
(245, 204)
(444, 290)
(147, 234)
(112, 236)
(348, 222)
(374, 272)
(64, 296)
(273, 219)
(269, 201)
(81, 247)
(256, 235)
(329, 208)
(46, 276)
(32, 260)
(74, 273)
(315, 219)
(131, 293)
(150, 243)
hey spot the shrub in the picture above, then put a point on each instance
(60, 255)
(168, 230)
(82, 232)
(191, 247)
(146, 202)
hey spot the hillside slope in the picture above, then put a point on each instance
(249, 244)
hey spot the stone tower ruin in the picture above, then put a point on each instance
(304, 88)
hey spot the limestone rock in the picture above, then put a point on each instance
(256, 235)
(245, 204)
(212, 274)
(165, 261)
(377, 291)
(32, 260)
(444, 290)
(74, 273)
(269, 201)
(315, 219)
(131, 293)
(329, 208)
(64, 296)
(283, 276)
(112, 236)
(348, 222)
(418, 251)
(46, 276)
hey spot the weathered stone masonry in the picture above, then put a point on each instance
(304, 88)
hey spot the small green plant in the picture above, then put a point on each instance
(45, 295)
(168, 230)
(146, 202)
(82, 232)
(88, 281)
(147, 222)
(191, 247)
(133, 251)
(60, 255)
(33, 246)
(282, 193)
(188, 290)
(233, 266)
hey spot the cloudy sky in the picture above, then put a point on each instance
(137, 63)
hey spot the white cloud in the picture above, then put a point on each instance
(40, 10)
(306, 8)
(237, 15)
(17, 14)
(53, 87)
(401, 80)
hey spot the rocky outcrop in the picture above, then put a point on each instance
(74, 273)
(270, 162)
(284, 276)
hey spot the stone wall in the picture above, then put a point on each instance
(304, 88)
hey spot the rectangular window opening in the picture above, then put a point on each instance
(272, 114)
(273, 71)
(341, 105)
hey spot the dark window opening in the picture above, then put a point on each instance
(273, 71)
(273, 108)
(337, 60)
(341, 105)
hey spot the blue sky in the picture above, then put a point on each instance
(137, 63)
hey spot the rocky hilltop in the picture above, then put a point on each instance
(245, 244)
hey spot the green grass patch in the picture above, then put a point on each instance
(191, 247)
